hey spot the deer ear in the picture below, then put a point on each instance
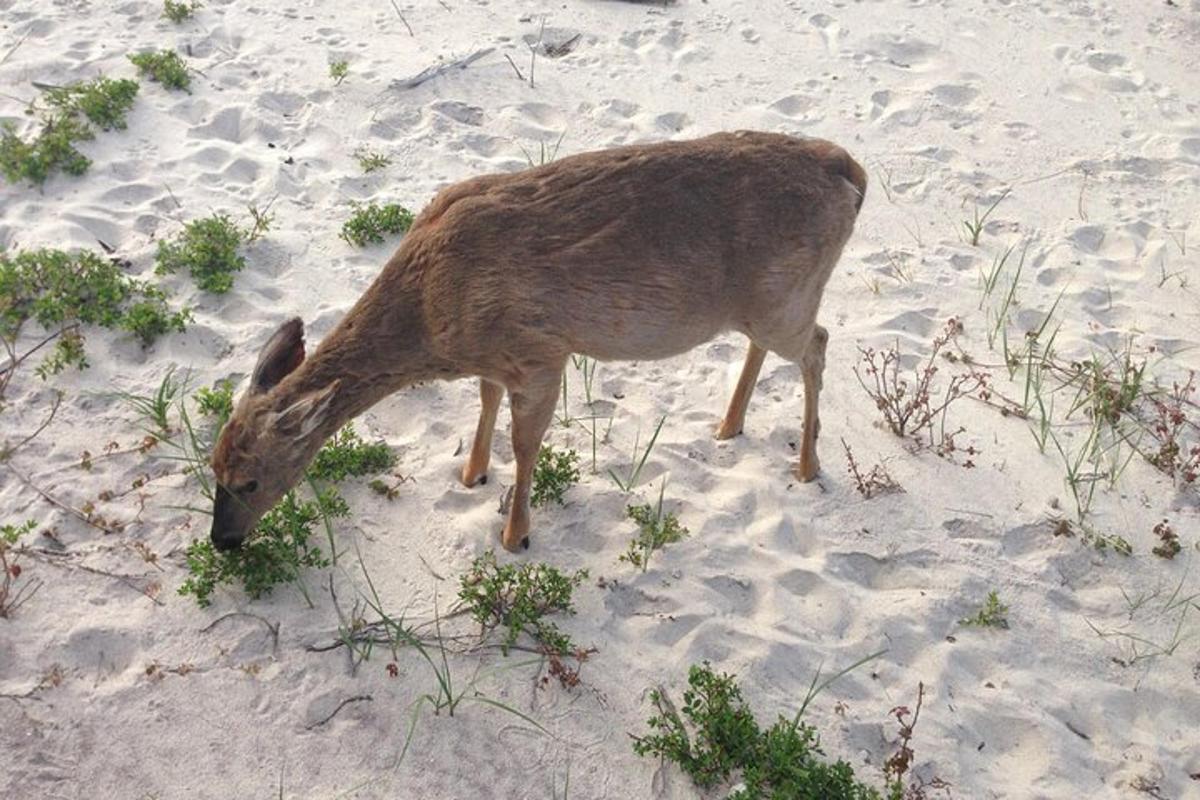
(282, 354)
(307, 414)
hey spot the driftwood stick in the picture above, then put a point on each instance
(438, 69)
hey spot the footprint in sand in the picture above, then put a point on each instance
(830, 30)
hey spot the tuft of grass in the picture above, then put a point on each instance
(208, 249)
(164, 66)
(630, 480)
(156, 408)
(716, 737)
(370, 161)
(974, 226)
(346, 455)
(655, 531)
(64, 291)
(370, 223)
(556, 471)
(104, 101)
(993, 614)
(179, 12)
(519, 597)
(339, 70)
(276, 552)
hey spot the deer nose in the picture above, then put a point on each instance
(224, 541)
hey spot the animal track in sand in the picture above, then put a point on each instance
(830, 30)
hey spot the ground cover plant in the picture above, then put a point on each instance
(165, 66)
(518, 598)
(210, 250)
(63, 292)
(179, 12)
(993, 614)
(715, 738)
(371, 223)
(70, 112)
(555, 472)
(655, 531)
(369, 160)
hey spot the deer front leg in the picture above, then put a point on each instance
(735, 417)
(532, 410)
(475, 470)
(812, 366)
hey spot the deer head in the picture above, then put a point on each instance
(268, 441)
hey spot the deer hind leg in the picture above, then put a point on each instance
(812, 367)
(475, 470)
(532, 410)
(735, 416)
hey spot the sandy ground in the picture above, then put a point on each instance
(115, 687)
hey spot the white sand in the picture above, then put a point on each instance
(1090, 112)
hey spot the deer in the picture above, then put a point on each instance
(636, 252)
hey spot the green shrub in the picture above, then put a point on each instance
(178, 12)
(347, 455)
(165, 66)
(519, 597)
(656, 531)
(62, 291)
(371, 222)
(53, 149)
(208, 249)
(721, 738)
(556, 471)
(338, 70)
(104, 101)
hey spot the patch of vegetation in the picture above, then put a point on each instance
(369, 160)
(346, 455)
(338, 70)
(519, 597)
(656, 531)
(994, 614)
(716, 737)
(104, 101)
(556, 471)
(873, 483)
(13, 591)
(208, 249)
(1168, 541)
(370, 223)
(179, 12)
(64, 291)
(216, 402)
(164, 66)
(276, 552)
(155, 408)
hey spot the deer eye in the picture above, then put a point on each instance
(248, 488)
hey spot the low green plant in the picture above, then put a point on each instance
(556, 471)
(338, 70)
(155, 408)
(993, 614)
(974, 226)
(179, 12)
(716, 737)
(655, 531)
(519, 597)
(370, 223)
(346, 455)
(165, 66)
(64, 291)
(208, 249)
(104, 101)
(216, 402)
(369, 160)
(276, 551)
(637, 463)
(14, 592)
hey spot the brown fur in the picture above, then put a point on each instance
(632, 253)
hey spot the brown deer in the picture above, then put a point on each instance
(637, 252)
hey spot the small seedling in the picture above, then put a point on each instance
(992, 615)
(629, 482)
(876, 482)
(519, 597)
(370, 161)
(556, 471)
(156, 408)
(974, 226)
(338, 70)
(370, 223)
(216, 402)
(346, 455)
(261, 221)
(179, 12)
(656, 531)
(1168, 546)
(208, 249)
(13, 591)
(164, 66)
